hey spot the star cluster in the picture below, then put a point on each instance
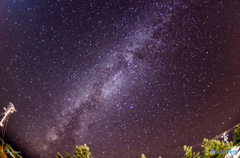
(123, 77)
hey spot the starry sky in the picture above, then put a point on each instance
(123, 77)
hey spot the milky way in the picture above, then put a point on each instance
(125, 78)
(105, 84)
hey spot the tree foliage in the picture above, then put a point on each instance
(207, 146)
(189, 153)
(7, 148)
(58, 156)
(236, 135)
(143, 156)
(215, 145)
(81, 152)
(68, 155)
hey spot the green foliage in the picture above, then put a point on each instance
(58, 156)
(215, 145)
(68, 155)
(82, 152)
(143, 156)
(7, 148)
(189, 153)
(207, 146)
(236, 135)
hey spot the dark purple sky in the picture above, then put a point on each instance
(125, 77)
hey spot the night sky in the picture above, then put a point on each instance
(123, 77)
